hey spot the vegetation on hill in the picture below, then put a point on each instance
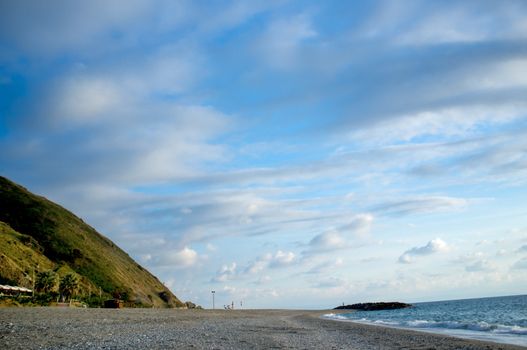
(39, 237)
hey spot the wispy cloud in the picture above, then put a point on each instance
(420, 205)
(325, 267)
(257, 267)
(279, 259)
(182, 129)
(520, 264)
(342, 238)
(225, 273)
(281, 43)
(480, 265)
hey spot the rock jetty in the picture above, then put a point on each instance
(374, 306)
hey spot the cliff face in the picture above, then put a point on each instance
(38, 235)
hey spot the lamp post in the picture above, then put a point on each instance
(213, 292)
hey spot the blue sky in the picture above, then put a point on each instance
(292, 154)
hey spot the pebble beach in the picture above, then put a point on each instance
(75, 328)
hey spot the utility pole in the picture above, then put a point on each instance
(213, 292)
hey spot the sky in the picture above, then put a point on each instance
(285, 154)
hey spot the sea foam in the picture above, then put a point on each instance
(502, 319)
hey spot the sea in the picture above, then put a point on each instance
(496, 319)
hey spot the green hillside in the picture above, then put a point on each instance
(39, 235)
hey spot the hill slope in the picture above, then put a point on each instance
(37, 235)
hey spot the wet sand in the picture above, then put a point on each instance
(65, 328)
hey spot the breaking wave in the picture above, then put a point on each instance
(500, 319)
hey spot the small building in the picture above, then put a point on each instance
(14, 290)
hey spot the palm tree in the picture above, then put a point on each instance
(69, 284)
(46, 281)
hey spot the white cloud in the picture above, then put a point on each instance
(229, 290)
(210, 247)
(281, 43)
(113, 93)
(99, 28)
(360, 225)
(176, 259)
(469, 258)
(446, 122)
(146, 257)
(263, 280)
(175, 143)
(233, 14)
(170, 70)
(331, 282)
(520, 264)
(57, 26)
(370, 259)
(85, 100)
(225, 273)
(501, 252)
(478, 261)
(423, 204)
(128, 129)
(480, 266)
(422, 23)
(329, 266)
(503, 74)
(279, 259)
(450, 26)
(330, 240)
(434, 246)
(257, 266)
(186, 210)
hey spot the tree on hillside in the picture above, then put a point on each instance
(69, 284)
(46, 282)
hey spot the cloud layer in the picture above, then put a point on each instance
(250, 147)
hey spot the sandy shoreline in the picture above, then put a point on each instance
(56, 328)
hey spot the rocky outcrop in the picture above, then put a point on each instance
(191, 305)
(374, 306)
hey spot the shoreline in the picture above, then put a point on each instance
(63, 328)
(500, 339)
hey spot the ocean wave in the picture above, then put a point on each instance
(336, 317)
(478, 327)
